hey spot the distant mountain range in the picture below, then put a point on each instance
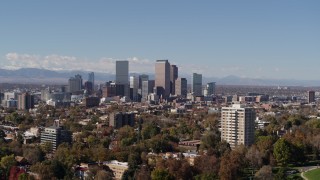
(44, 76)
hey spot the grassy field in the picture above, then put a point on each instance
(313, 175)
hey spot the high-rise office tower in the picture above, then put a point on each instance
(25, 101)
(122, 78)
(75, 83)
(88, 86)
(181, 86)
(162, 79)
(210, 89)
(91, 78)
(237, 125)
(142, 77)
(55, 135)
(197, 84)
(173, 77)
(134, 81)
(109, 90)
(311, 96)
(147, 88)
(134, 86)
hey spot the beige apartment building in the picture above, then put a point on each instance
(237, 125)
(117, 167)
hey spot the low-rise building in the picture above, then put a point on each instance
(117, 167)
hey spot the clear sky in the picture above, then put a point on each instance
(249, 38)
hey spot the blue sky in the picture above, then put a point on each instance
(261, 39)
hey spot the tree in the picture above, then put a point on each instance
(206, 176)
(159, 144)
(58, 169)
(104, 175)
(46, 147)
(134, 160)
(99, 153)
(92, 141)
(212, 121)
(143, 173)
(282, 152)
(210, 140)
(7, 162)
(125, 132)
(33, 154)
(281, 174)
(44, 170)
(150, 130)
(206, 164)
(264, 143)
(23, 176)
(2, 134)
(254, 156)
(161, 174)
(232, 164)
(265, 173)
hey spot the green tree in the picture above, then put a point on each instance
(92, 141)
(23, 176)
(159, 144)
(232, 164)
(150, 130)
(99, 153)
(281, 174)
(33, 154)
(44, 170)
(210, 140)
(7, 162)
(206, 176)
(2, 134)
(46, 147)
(282, 151)
(161, 174)
(134, 160)
(58, 169)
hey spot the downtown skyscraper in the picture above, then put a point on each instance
(75, 84)
(197, 84)
(122, 78)
(173, 78)
(162, 78)
(91, 78)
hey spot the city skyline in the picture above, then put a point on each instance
(271, 39)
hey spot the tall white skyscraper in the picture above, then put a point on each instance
(122, 77)
(197, 84)
(237, 125)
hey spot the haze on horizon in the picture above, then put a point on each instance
(269, 39)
